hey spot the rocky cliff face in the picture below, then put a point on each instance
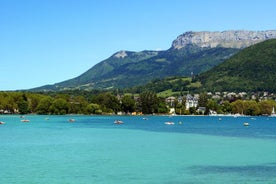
(227, 39)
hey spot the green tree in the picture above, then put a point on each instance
(33, 101)
(237, 107)
(78, 105)
(203, 100)
(251, 108)
(8, 103)
(162, 106)
(93, 109)
(148, 102)
(192, 110)
(22, 103)
(265, 107)
(180, 109)
(226, 107)
(128, 104)
(44, 105)
(60, 106)
(23, 107)
(109, 102)
(212, 105)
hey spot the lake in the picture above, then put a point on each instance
(195, 149)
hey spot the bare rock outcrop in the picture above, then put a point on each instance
(227, 39)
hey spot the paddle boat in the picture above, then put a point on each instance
(169, 123)
(71, 120)
(118, 122)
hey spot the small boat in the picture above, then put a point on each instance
(71, 120)
(25, 120)
(245, 124)
(169, 123)
(273, 114)
(2, 122)
(118, 122)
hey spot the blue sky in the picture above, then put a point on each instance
(49, 41)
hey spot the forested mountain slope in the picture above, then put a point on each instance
(252, 69)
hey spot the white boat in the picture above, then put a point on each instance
(25, 121)
(71, 120)
(273, 114)
(169, 123)
(2, 122)
(245, 124)
(118, 122)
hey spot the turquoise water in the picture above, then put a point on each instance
(200, 149)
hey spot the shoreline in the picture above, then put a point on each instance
(129, 115)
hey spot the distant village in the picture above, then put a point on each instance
(192, 101)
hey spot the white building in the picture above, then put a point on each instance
(191, 101)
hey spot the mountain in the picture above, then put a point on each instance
(190, 54)
(252, 69)
(226, 39)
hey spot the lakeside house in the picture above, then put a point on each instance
(191, 101)
(170, 100)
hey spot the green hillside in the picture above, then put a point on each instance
(168, 86)
(127, 69)
(252, 69)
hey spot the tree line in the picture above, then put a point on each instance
(73, 103)
(111, 103)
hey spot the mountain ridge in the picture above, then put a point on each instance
(229, 39)
(190, 53)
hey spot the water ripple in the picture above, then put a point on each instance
(265, 170)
